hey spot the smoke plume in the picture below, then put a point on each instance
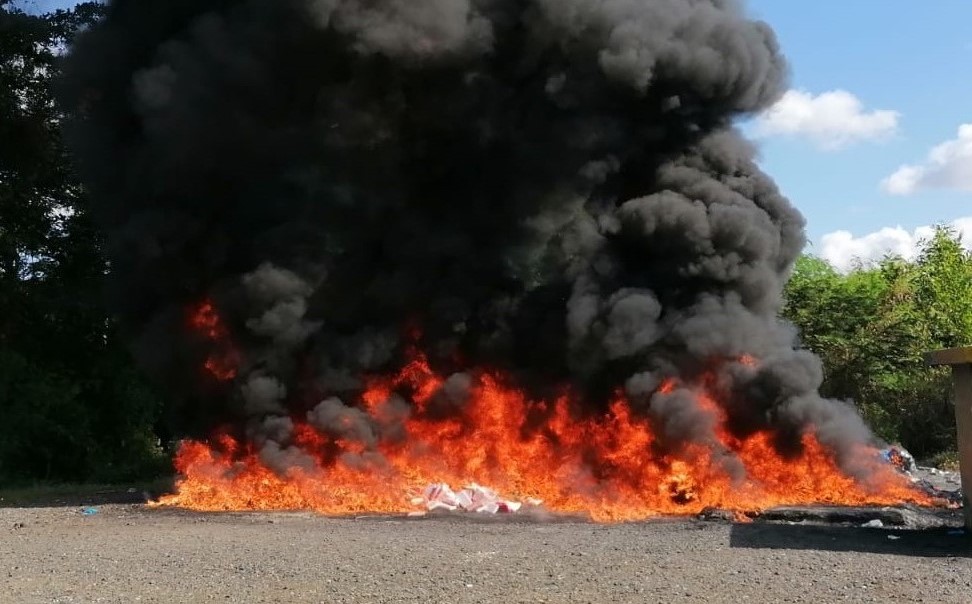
(551, 188)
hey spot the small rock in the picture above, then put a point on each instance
(873, 524)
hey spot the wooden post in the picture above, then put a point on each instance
(960, 359)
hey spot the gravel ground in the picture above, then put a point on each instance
(127, 553)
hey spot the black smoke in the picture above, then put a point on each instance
(553, 188)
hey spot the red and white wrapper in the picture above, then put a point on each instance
(472, 498)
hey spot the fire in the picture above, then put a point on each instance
(606, 467)
(223, 361)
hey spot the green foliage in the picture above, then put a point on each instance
(872, 326)
(946, 460)
(72, 407)
(943, 289)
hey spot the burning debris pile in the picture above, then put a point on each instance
(371, 246)
(941, 485)
(900, 458)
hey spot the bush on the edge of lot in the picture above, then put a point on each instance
(871, 327)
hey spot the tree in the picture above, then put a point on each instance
(73, 407)
(943, 288)
(871, 327)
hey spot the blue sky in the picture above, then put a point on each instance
(43, 5)
(905, 72)
(914, 58)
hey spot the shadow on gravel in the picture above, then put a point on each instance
(925, 543)
(82, 495)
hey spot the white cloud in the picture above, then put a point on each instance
(831, 120)
(948, 166)
(843, 250)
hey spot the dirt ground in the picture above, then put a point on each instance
(130, 553)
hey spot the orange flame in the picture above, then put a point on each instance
(606, 467)
(223, 361)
